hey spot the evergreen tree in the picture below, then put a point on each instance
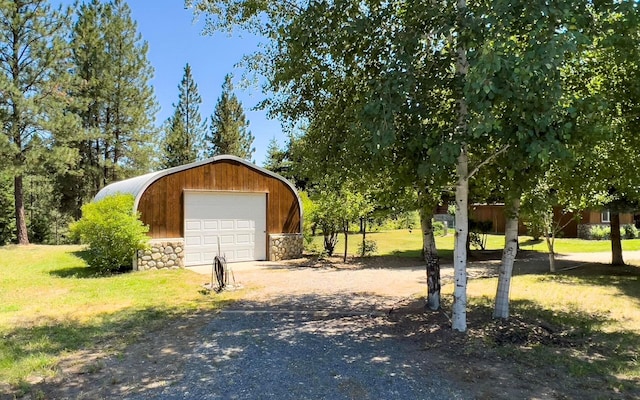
(276, 159)
(229, 132)
(116, 101)
(184, 130)
(33, 92)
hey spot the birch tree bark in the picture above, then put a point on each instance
(501, 309)
(459, 312)
(430, 257)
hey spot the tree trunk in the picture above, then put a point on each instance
(552, 253)
(616, 243)
(501, 309)
(346, 240)
(431, 257)
(363, 230)
(459, 312)
(21, 219)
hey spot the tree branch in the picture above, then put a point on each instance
(489, 159)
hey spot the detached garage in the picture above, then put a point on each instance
(223, 202)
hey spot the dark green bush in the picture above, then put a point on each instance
(629, 231)
(113, 232)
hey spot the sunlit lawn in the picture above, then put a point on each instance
(51, 303)
(409, 244)
(598, 309)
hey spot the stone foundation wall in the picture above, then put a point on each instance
(285, 246)
(162, 254)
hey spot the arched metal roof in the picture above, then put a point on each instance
(137, 185)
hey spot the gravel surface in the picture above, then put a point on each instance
(284, 351)
(322, 333)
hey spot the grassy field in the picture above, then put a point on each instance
(409, 244)
(51, 303)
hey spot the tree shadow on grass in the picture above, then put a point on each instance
(85, 272)
(569, 351)
(36, 348)
(625, 278)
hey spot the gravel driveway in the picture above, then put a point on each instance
(320, 338)
(323, 333)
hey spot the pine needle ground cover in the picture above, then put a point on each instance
(52, 304)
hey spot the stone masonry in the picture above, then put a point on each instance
(285, 246)
(161, 254)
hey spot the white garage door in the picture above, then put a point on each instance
(238, 220)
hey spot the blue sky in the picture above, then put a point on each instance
(175, 40)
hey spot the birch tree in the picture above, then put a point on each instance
(427, 84)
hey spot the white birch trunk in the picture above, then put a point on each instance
(501, 309)
(459, 312)
(552, 254)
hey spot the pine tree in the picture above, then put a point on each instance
(117, 103)
(229, 132)
(277, 159)
(184, 130)
(33, 91)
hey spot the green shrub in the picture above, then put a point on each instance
(439, 229)
(629, 231)
(113, 232)
(368, 248)
(599, 232)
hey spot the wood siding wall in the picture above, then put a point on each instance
(595, 217)
(495, 214)
(162, 204)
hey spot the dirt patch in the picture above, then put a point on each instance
(392, 286)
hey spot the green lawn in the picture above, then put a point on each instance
(594, 314)
(409, 243)
(51, 303)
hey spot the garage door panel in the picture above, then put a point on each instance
(243, 239)
(193, 225)
(211, 239)
(211, 225)
(238, 220)
(243, 224)
(226, 239)
(193, 259)
(193, 240)
(227, 225)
